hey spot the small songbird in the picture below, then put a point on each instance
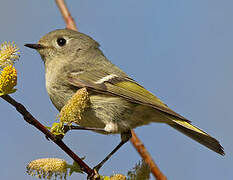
(118, 103)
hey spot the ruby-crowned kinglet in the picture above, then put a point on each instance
(118, 103)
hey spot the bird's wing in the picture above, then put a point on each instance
(124, 87)
(130, 90)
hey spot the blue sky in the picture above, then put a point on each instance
(179, 50)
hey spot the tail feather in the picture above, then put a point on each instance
(198, 135)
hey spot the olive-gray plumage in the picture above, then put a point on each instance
(73, 60)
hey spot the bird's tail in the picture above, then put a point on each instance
(198, 135)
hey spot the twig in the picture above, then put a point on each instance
(31, 120)
(146, 156)
(70, 24)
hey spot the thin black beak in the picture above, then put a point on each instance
(34, 46)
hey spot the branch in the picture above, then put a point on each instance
(70, 24)
(146, 156)
(31, 120)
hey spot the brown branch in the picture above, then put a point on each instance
(70, 24)
(146, 157)
(31, 120)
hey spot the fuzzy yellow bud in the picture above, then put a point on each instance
(74, 108)
(48, 167)
(8, 80)
(114, 177)
(9, 53)
(118, 177)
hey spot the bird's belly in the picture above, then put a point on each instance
(116, 115)
(110, 113)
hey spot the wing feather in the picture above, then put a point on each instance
(123, 87)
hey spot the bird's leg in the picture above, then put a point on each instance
(124, 138)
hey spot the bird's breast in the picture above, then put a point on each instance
(58, 91)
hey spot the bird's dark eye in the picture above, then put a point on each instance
(61, 41)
